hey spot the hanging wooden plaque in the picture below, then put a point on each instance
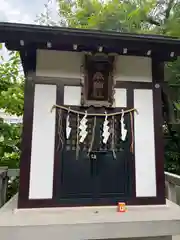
(97, 89)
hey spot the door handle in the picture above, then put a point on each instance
(93, 156)
(93, 159)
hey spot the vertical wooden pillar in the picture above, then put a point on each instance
(28, 57)
(26, 140)
(158, 79)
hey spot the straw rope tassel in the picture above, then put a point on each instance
(132, 133)
(93, 136)
(77, 138)
(60, 130)
(113, 136)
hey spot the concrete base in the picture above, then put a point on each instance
(160, 222)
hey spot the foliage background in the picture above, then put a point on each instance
(139, 16)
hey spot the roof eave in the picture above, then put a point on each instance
(38, 36)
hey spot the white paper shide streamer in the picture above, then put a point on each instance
(123, 129)
(106, 132)
(83, 128)
(68, 128)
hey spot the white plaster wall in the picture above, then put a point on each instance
(51, 63)
(132, 68)
(120, 97)
(43, 140)
(72, 96)
(144, 144)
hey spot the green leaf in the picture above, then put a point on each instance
(1, 138)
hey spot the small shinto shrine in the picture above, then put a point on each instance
(92, 126)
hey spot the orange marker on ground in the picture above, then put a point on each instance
(122, 207)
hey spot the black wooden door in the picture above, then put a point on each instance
(100, 176)
(111, 174)
(111, 177)
(76, 177)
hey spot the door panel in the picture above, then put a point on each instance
(112, 171)
(111, 176)
(76, 175)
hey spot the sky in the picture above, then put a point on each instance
(22, 11)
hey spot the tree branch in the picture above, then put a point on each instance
(152, 21)
(168, 10)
